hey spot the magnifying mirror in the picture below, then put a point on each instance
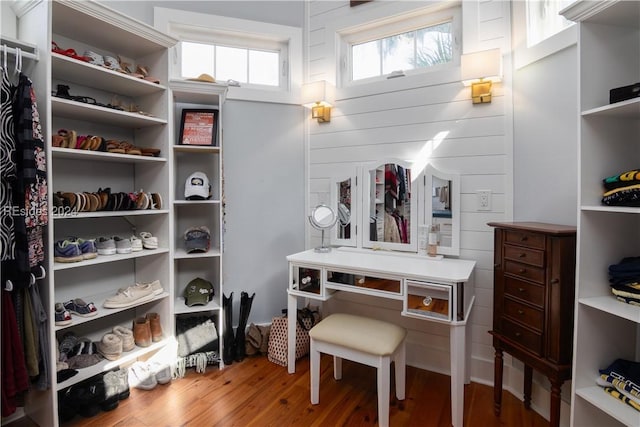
(322, 218)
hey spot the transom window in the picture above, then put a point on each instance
(544, 20)
(244, 65)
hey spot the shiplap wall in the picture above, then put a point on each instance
(396, 122)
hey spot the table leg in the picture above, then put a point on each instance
(554, 411)
(497, 381)
(458, 357)
(528, 379)
(292, 307)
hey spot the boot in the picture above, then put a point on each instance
(142, 332)
(155, 326)
(245, 309)
(227, 334)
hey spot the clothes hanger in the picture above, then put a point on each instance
(4, 58)
(18, 65)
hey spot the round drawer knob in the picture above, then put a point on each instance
(522, 270)
(554, 281)
(522, 255)
(520, 289)
(520, 312)
(518, 334)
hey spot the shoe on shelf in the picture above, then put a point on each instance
(140, 376)
(148, 240)
(161, 371)
(67, 251)
(142, 332)
(106, 246)
(155, 286)
(130, 296)
(126, 335)
(63, 317)
(110, 346)
(123, 246)
(136, 243)
(155, 326)
(81, 308)
(88, 248)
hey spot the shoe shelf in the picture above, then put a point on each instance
(98, 301)
(93, 113)
(609, 304)
(196, 149)
(106, 365)
(181, 308)
(86, 74)
(78, 154)
(195, 202)
(624, 109)
(102, 259)
(192, 92)
(182, 254)
(105, 214)
(613, 407)
(613, 209)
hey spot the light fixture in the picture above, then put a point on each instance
(480, 70)
(318, 96)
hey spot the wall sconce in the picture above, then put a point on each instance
(319, 96)
(480, 70)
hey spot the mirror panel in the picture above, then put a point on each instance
(390, 211)
(442, 208)
(344, 200)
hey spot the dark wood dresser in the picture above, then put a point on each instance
(533, 299)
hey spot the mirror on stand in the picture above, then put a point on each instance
(323, 218)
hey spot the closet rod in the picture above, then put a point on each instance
(27, 50)
(27, 55)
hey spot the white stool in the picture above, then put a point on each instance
(360, 339)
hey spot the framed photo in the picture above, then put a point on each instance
(198, 127)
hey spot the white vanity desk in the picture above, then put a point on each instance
(433, 290)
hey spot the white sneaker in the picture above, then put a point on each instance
(136, 243)
(140, 376)
(155, 286)
(162, 371)
(148, 240)
(132, 295)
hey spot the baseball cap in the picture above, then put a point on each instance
(198, 292)
(197, 239)
(197, 187)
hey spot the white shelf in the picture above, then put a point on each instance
(202, 93)
(102, 259)
(611, 209)
(107, 365)
(98, 301)
(105, 214)
(209, 149)
(181, 253)
(62, 107)
(85, 74)
(73, 153)
(180, 307)
(195, 202)
(610, 405)
(610, 305)
(623, 109)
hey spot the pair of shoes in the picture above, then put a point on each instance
(127, 297)
(147, 329)
(62, 315)
(116, 385)
(126, 335)
(67, 251)
(113, 245)
(81, 308)
(147, 376)
(148, 240)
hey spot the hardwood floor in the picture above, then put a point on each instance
(257, 392)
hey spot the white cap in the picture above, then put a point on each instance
(197, 187)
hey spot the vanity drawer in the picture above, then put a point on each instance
(523, 238)
(429, 300)
(525, 271)
(525, 255)
(306, 279)
(524, 314)
(526, 291)
(523, 336)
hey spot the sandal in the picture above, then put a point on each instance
(94, 58)
(112, 63)
(125, 67)
(115, 147)
(145, 73)
(69, 52)
(130, 148)
(151, 152)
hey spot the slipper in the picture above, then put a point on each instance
(115, 147)
(69, 138)
(146, 151)
(81, 308)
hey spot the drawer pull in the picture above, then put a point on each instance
(522, 270)
(523, 239)
(518, 334)
(520, 289)
(520, 312)
(554, 281)
(522, 255)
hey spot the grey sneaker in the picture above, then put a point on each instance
(123, 246)
(106, 246)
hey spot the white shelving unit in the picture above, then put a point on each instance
(605, 329)
(88, 25)
(188, 159)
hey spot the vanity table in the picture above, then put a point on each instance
(438, 290)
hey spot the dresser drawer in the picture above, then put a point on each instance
(522, 336)
(524, 291)
(524, 314)
(525, 271)
(525, 255)
(523, 238)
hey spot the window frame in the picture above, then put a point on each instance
(202, 28)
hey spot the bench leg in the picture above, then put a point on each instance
(337, 367)
(384, 371)
(315, 374)
(400, 371)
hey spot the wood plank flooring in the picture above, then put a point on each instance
(257, 392)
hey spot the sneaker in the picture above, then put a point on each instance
(155, 286)
(123, 246)
(130, 296)
(148, 240)
(140, 376)
(136, 243)
(81, 308)
(161, 371)
(67, 251)
(88, 248)
(106, 246)
(63, 317)
(111, 387)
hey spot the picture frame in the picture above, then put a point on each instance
(198, 127)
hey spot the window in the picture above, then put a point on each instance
(543, 20)
(412, 44)
(244, 65)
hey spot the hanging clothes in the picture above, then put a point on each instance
(8, 170)
(15, 380)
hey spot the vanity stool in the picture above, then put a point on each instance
(360, 339)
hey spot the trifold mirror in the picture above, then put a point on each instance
(393, 205)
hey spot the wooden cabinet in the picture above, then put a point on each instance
(533, 299)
